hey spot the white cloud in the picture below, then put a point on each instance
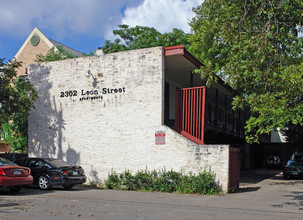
(94, 17)
(164, 15)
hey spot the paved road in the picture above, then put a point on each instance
(263, 195)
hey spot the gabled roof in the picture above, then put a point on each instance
(49, 42)
(68, 49)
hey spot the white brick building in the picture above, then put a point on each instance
(111, 112)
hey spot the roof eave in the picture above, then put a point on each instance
(180, 50)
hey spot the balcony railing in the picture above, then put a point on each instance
(190, 113)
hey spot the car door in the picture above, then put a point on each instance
(35, 165)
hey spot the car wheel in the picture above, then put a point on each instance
(15, 188)
(44, 183)
(68, 186)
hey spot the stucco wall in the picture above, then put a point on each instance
(112, 128)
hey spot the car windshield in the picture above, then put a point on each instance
(4, 161)
(57, 163)
(295, 163)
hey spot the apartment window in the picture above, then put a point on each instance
(221, 115)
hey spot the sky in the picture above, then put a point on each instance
(84, 25)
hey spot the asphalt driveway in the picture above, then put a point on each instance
(263, 195)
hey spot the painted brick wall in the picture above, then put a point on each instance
(29, 54)
(113, 127)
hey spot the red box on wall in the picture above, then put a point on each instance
(160, 137)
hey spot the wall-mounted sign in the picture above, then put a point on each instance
(160, 137)
(91, 94)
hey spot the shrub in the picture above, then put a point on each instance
(164, 181)
(113, 181)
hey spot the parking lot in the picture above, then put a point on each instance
(263, 195)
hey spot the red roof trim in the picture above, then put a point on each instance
(180, 50)
(174, 50)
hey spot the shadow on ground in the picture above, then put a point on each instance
(34, 190)
(244, 189)
(257, 175)
(254, 176)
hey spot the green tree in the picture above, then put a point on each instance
(17, 96)
(254, 45)
(54, 54)
(143, 37)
